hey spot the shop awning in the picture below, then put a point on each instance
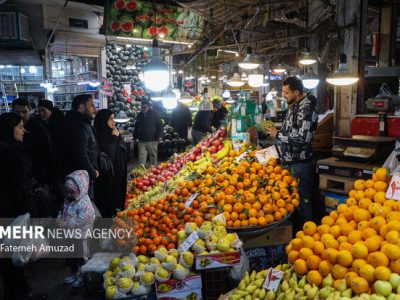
(20, 58)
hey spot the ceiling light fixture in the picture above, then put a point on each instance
(251, 61)
(226, 94)
(235, 81)
(310, 80)
(156, 75)
(307, 59)
(169, 99)
(279, 68)
(342, 75)
(256, 80)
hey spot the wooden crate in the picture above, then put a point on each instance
(335, 184)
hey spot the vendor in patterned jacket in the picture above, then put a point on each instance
(294, 144)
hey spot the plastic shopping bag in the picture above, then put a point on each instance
(22, 220)
(237, 272)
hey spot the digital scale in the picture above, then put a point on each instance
(363, 148)
(377, 104)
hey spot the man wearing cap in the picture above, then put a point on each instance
(219, 115)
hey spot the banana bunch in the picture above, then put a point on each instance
(224, 151)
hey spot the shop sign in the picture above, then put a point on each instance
(148, 20)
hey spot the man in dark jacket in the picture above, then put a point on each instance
(37, 143)
(294, 143)
(76, 144)
(148, 130)
(181, 120)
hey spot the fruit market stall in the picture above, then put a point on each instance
(189, 215)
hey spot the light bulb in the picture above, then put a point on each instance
(256, 80)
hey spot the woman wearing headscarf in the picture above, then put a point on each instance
(110, 188)
(15, 198)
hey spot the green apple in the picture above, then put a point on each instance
(394, 280)
(383, 288)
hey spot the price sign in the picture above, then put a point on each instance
(191, 199)
(393, 191)
(241, 157)
(264, 155)
(273, 279)
(190, 240)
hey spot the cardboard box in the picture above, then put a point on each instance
(261, 258)
(332, 200)
(218, 260)
(277, 236)
(322, 141)
(239, 138)
(188, 288)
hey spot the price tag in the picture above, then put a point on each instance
(191, 199)
(190, 240)
(393, 191)
(273, 280)
(165, 186)
(264, 155)
(241, 157)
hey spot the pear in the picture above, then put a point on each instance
(246, 278)
(398, 290)
(235, 297)
(346, 293)
(270, 295)
(391, 297)
(328, 281)
(285, 267)
(336, 295)
(377, 297)
(394, 280)
(311, 293)
(293, 282)
(302, 282)
(255, 293)
(364, 296)
(290, 296)
(325, 292)
(241, 293)
(307, 287)
(248, 297)
(287, 274)
(258, 283)
(251, 288)
(285, 285)
(279, 268)
(259, 275)
(281, 296)
(242, 285)
(299, 292)
(253, 276)
(342, 286)
(265, 273)
(345, 298)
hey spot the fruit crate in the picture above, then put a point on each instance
(215, 283)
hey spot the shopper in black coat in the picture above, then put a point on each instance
(110, 188)
(51, 118)
(181, 120)
(15, 198)
(219, 114)
(76, 147)
(37, 143)
(201, 125)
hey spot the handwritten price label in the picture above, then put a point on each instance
(190, 240)
(393, 191)
(191, 199)
(273, 280)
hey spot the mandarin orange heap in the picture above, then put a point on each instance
(358, 243)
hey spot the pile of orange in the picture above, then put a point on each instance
(157, 223)
(246, 193)
(358, 243)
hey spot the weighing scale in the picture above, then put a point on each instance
(377, 104)
(363, 148)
